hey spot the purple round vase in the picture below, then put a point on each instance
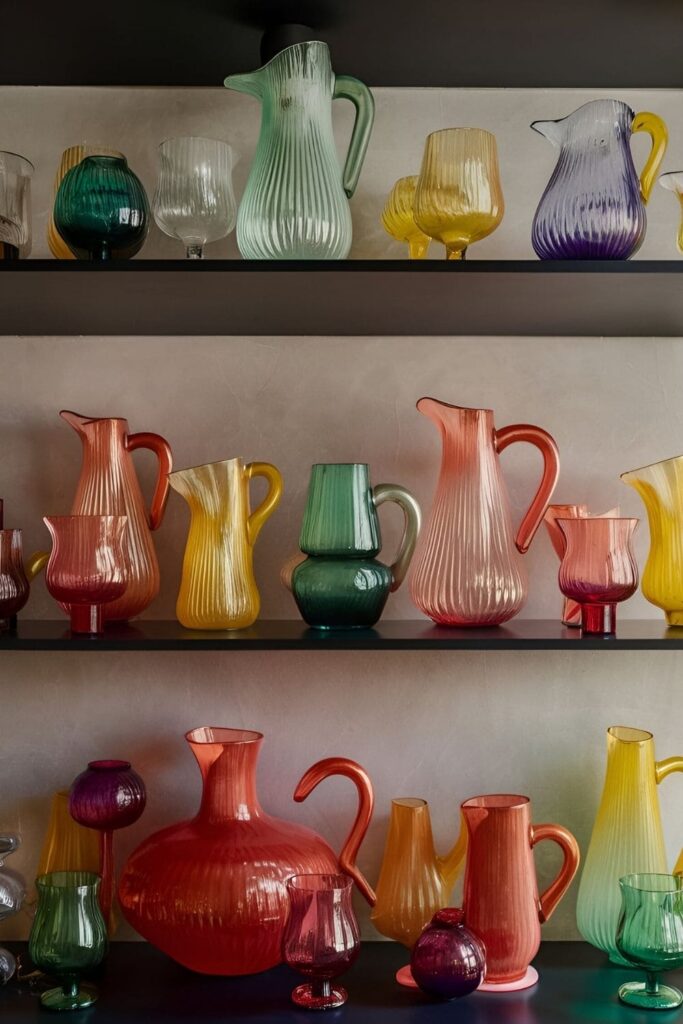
(107, 795)
(448, 960)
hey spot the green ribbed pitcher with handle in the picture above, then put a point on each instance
(295, 205)
(342, 584)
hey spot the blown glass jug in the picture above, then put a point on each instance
(467, 569)
(211, 892)
(414, 881)
(218, 588)
(660, 487)
(593, 207)
(500, 896)
(295, 205)
(627, 834)
(108, 486)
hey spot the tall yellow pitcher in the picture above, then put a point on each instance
(660, 487)
(218, 589)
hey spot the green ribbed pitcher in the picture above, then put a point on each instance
(295, 205)
(341, 584)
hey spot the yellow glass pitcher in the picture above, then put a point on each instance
(414, 881)
(661, 488)
(218, 589)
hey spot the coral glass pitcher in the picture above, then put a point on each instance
(211, 892)
(500, 897)
(467, 570)
(108, 486)
(218, 588)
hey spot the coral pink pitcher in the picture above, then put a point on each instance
(500, 896)
(468, 570)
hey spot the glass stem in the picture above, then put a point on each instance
(651, 983)
(455, 254)
(194, 252)
(322, 988)
(70, 986)
(418, 250)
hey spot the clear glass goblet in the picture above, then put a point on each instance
(194, 199)
(650, 936)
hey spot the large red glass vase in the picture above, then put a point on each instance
(211, 892)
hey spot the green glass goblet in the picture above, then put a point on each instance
(650, 936)
(68, 936)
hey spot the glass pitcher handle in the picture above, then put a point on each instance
(271, 500)
(162, 450)
(549, 899)
(662, 769)
(366, 801)
(657, 130)
(411, 529)
(551, 471)
(349, 88)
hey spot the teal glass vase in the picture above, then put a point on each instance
(101, 209)
(68, 937)
(650, 936)
(295, 205)
(342, 584)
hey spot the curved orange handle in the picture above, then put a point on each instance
(162, 450)
(570, 848)
(366, 801)
(551, 471)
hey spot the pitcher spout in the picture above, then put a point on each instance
(250, 83)
(75, 420)
(550, 130)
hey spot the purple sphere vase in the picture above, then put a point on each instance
(448, 961)
(108, 795)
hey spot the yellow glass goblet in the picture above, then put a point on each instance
(398, 220)
(459, 199)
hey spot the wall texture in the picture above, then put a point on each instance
(437, 725)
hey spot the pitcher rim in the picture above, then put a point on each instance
(463, 128)
(451, 405)
(518, 798)
(644, 734)
(317, 465)
(650, 465)
(276, 56)
(596, 519)
(207, 465)
(196, 138)
(94, 419)
(246, 735)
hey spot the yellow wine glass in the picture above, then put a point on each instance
(398, 220)
(459, 198)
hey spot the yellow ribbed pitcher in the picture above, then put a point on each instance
(661, 488)
(627, 834)
(218, 589)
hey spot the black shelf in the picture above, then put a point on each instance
(352, 297)
(595, 43)
(388, 635)
(139, 985)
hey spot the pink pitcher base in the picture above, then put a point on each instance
(527, 981)
(404, 976)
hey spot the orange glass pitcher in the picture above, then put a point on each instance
(108, 485)
(500, 896)
(210, 892)
(467, 570)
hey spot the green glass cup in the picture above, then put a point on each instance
(69, 936)
(650, 936)
(342, 584)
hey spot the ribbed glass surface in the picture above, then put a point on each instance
(71, 157)
(15, 203)
(398, 219)
(598, 566)
(627, 835)
(592, 207)
(14, 588)
(294, 205)
(650, 936)
(459, 197)
(87, 564)
(218, 588)
(467, 570)
(660, 487)
(68, 846)
(108, 485)
(340, 516)
(414, 881)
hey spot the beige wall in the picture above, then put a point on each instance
(440, 725)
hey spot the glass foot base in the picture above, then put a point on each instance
(665, 998)
(304, 995)
(404, 976)
(56, 998)
(528, 980)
